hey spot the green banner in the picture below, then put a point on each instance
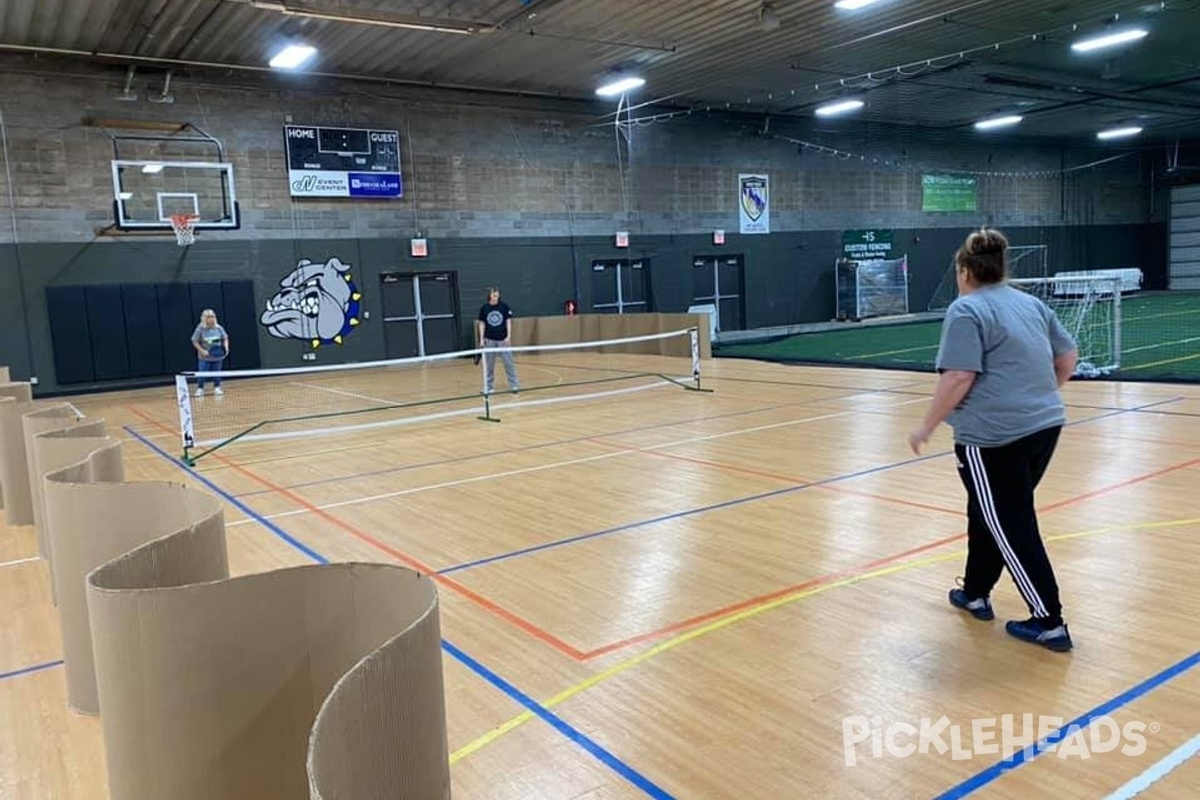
(948, 193)
(867, 245)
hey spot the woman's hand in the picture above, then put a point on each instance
(918, 438)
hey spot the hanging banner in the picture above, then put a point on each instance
(754, 204)
(948, 193)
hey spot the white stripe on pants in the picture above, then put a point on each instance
(987, 504)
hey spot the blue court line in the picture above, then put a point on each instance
(574, 440)
(1031, 752)
(526, 448)
(563, 727)
(557, 723)
(245, 509)
(742, 500)
(16, 673)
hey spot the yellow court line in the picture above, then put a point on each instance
(1160, 363)
(724, 622)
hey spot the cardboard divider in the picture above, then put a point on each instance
(50, 450)
(50, 418)
(322, 681)
(13, 485)
(582, 328)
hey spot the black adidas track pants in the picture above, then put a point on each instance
(1002, 529)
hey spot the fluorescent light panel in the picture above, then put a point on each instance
(854, 5)
(620, 86)
(997, 122)
(1119, 133)
(839, 107)
(292, 56)
(1109, 40)
(152, 169)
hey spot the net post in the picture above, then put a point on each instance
(694, 334)
(187, 430)
(1116, 323)
(487, 397)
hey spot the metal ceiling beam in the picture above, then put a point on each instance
(410, 23)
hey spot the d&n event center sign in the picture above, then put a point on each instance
(343, 162)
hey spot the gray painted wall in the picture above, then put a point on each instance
(522, 193)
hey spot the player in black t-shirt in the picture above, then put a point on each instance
(494, 329)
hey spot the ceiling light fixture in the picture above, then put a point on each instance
(620, 86)
(838, 107)
(292, 56)
(997, 122)
(152, 169)
(854, 5)
(1118, 133)
(1109, 40)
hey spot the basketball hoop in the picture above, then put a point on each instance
(184, 226)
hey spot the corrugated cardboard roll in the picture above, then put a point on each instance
(50, 418)
(10, 393)
(52, 450)
(87, 526)
(324, 679)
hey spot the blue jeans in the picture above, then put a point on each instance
(209, 366)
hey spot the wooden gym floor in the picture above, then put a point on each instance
(672, 594)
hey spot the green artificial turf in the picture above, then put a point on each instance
(1160, 340)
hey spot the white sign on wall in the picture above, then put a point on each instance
(754, 204)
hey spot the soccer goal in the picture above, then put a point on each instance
(871, 288)
(1024, 261)
(1090, 309)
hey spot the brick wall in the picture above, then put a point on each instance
(486, 166)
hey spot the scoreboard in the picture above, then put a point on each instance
(343, 162)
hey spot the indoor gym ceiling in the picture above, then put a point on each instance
(940, 64)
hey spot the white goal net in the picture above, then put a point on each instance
(1090, 309)
(1024, 261)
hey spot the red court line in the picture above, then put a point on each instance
(420, 566)
(854, 571)
(797, 480)
(1132, 481)
(580, 655)
(727, 610)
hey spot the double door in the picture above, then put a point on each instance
(621, 286)
(719, 281)
(420, 313)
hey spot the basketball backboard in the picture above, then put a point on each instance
(147, 193)
(160, 170)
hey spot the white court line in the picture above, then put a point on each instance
(343, 392)
(1160, 344)
(348, 429)
(20, 561)
(571, 462)
(1158, 771)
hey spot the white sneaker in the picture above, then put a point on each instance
(218, 391)
(200, 393)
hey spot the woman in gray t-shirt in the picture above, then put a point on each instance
(1002, 360)
(212, 346)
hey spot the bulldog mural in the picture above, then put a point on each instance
(316, 303)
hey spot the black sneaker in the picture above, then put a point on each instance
(979, 608)
(1030, 630)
